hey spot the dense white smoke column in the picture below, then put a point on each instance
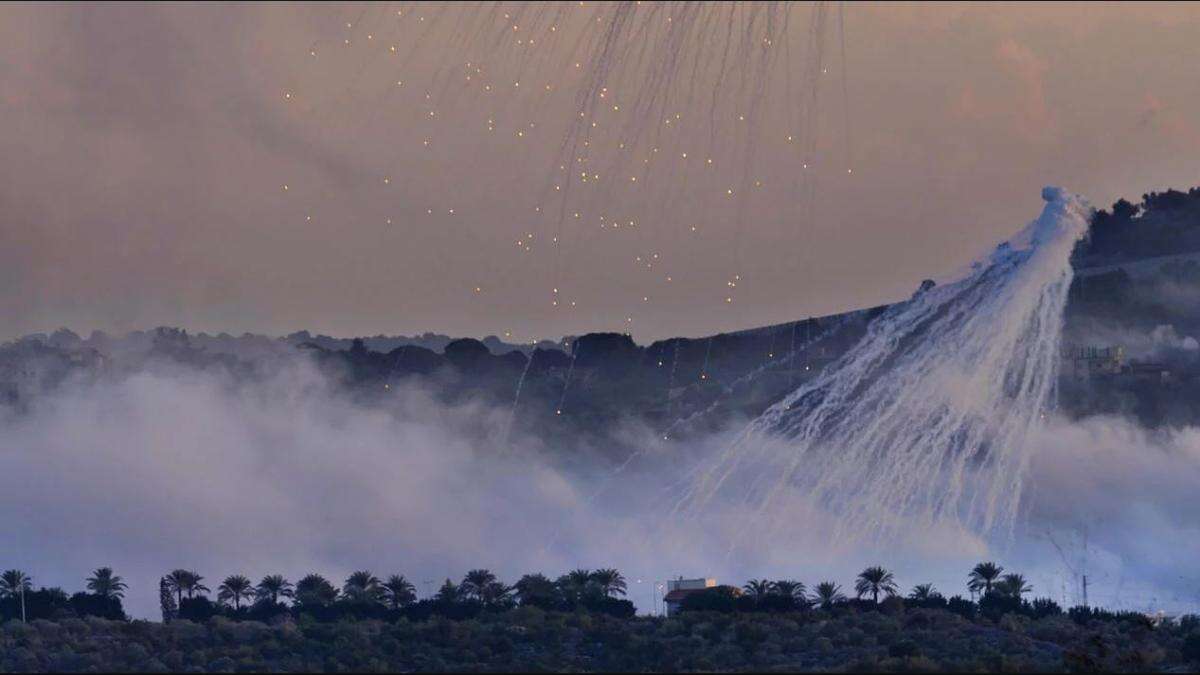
(927, 420)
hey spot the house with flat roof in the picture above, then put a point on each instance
(679, 589)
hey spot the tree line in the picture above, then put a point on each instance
(183, 594)
(998, 593)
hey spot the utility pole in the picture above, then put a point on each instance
(1085, 598)
(22, 603)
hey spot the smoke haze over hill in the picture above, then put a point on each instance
(168, 467)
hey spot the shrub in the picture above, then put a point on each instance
(904, 649)
(961, 606)
(716, 599)
(1191, 647)
(89, 604)
(198, 609)
(1044, 607)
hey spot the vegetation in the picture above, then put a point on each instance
(577, 622)
(1163, 223)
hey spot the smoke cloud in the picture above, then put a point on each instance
(161, 468)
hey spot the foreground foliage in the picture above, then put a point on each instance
(850, 636)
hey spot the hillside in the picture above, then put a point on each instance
(1134, 293)
(529, 639)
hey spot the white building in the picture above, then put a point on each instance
(678, 589)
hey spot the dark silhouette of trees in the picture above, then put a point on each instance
(983, 577)
(791, 589)
(497, 595)
(726, 637)
(398, 591)
(198, 608)
(272, 588)
(924, 593)
(448, 594)
(758, 588)
(722, 599)
(315, 590)
(475, 583)
(1163, 223)
(13, 583)
(185, 582)
(91, 604)
(482, 586)
(166, 600)
(875, 580)
(536, 590)
(362, 587)
(610, 581)
(576, 585)
(827, 594)
(1013, 586)
(235, 588)
(1043, 607)
(106, 584)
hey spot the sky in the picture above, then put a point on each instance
(144, 151)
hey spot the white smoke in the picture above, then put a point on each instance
(157, 470)
(928, 418)
(149, 470)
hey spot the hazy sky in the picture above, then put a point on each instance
(144, 150)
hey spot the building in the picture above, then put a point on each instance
(1091, 361)
(679, 589)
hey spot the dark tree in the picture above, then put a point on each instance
(983, 577)
(398, 591)
(106, 584)
(235, 588)
(536, 590)
(272, 588)
(362, 587)
(166, 600)
(827, 594)
(875, 580)
(315, 590)
(610, 581)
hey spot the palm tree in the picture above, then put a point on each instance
(575, 584)
(1013, 585)
(475, 583)
(828, 594)
(579, 577)
(496, 594)
(106, 584)
(448, 593)
(758, 588)
(924, 593)
(610, 581)
(536, 590)
(13, 583)
(177, 580)
(983, 577)
(195, 586)
(792, 589)
(362, 586)
(875, 580)
(272, 587)
(398, 591)
(235, 588)
(185, 581)
(315, 589)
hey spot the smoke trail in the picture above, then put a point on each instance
(927, 420)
